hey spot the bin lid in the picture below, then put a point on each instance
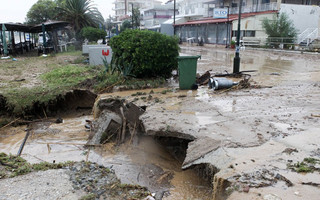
(189, 57)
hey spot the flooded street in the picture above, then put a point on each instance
(148, 163)
(242, 136)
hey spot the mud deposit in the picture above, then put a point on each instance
(147, 163)
(234, 144)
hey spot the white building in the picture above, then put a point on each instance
(123, 8)
(157, 15)
(198, 21)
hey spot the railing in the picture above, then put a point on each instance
(255, 8)
(308, 35)
(281, 40)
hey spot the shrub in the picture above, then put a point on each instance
(280, 26)
(150, 54)
(93, 34)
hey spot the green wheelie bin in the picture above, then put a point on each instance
(187, 71)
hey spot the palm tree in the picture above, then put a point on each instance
(80, 14)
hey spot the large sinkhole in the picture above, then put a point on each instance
(151, 161)
(116, 139)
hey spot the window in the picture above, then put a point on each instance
(244, 33)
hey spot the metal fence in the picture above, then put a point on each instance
(255, 8)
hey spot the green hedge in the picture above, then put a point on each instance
(93, 34)
(150, 54)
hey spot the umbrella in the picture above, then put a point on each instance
(4, 40)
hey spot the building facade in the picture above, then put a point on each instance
(200, 24)
(154, 17)
(123, 8)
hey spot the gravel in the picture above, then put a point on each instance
(82, 179)
(50, 184)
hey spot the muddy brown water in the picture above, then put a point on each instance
(148, 163)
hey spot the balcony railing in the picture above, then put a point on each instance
(156, 17)
(255, 8)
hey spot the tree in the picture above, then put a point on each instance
(136, 17)
(279, 27)
(126, 24)
(109, 24)
(93, 34)
(41, 11)
(80, 14)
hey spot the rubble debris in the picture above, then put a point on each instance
(195, 152)
(124, 126)
(290, 151)
(111, 104)
(59, 120)
(102, 182)
(113, 118)
(204, 79)
(261, 178)
(24, 141)
(282, 178)
(311, 183)
(104, 127)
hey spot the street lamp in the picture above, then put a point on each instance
(236, 60)
(227, 38)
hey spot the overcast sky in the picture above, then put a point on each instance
(16, 10)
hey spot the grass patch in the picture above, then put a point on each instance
(127, 191)
(306, 166)
(88, 197)
(15, 166)
(69, 75)
(107, 80)
(39, 80)
(55, 82)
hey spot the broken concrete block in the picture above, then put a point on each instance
(107, 124)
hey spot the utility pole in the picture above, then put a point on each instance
(174, 17)
(236, 60)
(132, 14)
(227, 38)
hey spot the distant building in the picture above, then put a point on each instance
(196, 19)
(123, 8)
(155, 16)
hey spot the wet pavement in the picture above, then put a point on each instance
(248, 124)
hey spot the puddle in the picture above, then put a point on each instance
(272, 67)
(147, 164)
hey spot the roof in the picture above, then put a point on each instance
(49, 25)
(231, 18)
(15, 27)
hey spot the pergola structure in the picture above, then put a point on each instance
(29, 43)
